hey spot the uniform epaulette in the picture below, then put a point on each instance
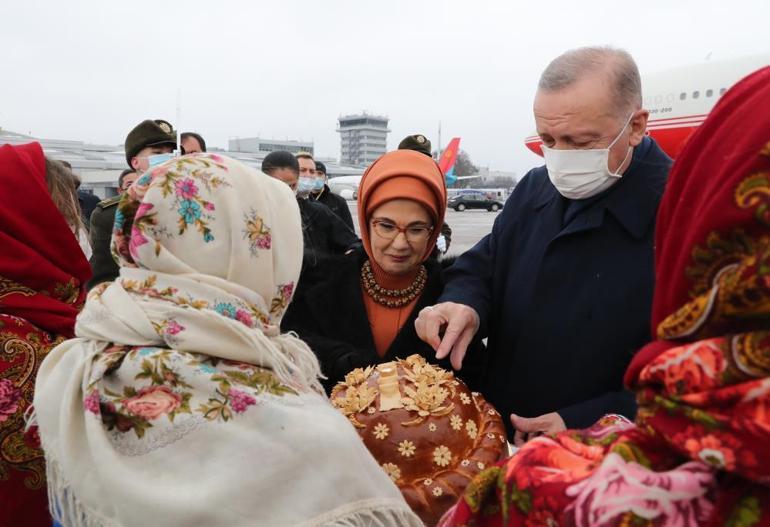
(109, 202)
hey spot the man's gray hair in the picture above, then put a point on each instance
(575, 64)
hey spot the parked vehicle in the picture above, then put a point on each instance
(474, 200)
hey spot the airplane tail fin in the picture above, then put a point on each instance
(449, 156)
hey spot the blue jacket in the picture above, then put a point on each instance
(564, 292)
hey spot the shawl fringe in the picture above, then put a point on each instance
(368, 513)
(65, 507)
(69, 511)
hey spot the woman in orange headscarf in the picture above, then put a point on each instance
(362, 312)
(698, 452)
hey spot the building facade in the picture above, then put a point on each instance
(363, 138)
(257, 145)
(99, 166)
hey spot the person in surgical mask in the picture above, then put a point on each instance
(148, 144)
(323, 233)
(562, 286)
(323, 194)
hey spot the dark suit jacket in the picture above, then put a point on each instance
(564, 292)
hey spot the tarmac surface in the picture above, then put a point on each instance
(468, 227)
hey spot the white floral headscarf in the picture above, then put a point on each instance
(181, 403)
(207, 215)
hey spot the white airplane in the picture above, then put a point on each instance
(345, 186)
(680, 99)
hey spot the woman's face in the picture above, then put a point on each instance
(396, 252)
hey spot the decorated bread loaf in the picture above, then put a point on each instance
(429, 433)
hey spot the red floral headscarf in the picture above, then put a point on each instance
(713, 230)
(42, 268)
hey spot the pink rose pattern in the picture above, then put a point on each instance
(240, 401)
(91, 402)
(281, 301)
(244, 317)
(9, 399)
(618, 488)
(256, 233)
(234, 387)
(174, 328)
(186, 188)
(153, 401)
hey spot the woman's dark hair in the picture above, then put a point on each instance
(195, 136)
(62, 185)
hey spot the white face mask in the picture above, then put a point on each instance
(581, 174)
(304, 186)
(157, 159)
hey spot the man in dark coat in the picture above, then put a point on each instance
(562, 286)
(337, 204)
(323, 232)
(148, 138)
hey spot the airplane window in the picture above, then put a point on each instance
(722, 91)
(695, 94)
(682, 96)
(709, 93)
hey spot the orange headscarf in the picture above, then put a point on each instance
(402, 174)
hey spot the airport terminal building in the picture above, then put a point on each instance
(100, 165)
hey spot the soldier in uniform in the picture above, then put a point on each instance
(149, 138)
(420, 143)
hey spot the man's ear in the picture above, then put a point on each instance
(135, 163)
(638, 126)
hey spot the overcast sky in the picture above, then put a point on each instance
(91, 70)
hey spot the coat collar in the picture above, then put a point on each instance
(633, 202)
(321, 192)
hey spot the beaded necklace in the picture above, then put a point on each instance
(392, 297)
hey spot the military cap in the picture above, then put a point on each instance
(149, 133)
(417, 142)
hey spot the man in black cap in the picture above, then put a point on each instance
(420, 143)
(151, 142)
(337, 204)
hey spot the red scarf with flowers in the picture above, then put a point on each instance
(698, 453)
(42, 272)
